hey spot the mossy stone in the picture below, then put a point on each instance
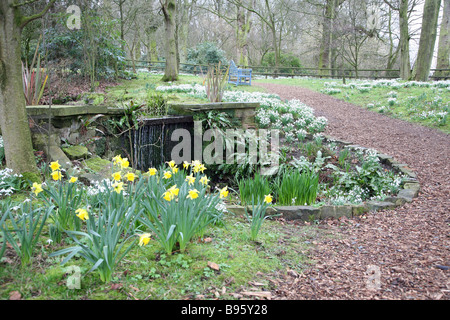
(76, 152)
(98, 164)
(31, 177)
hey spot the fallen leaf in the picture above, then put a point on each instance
(15, 295)
(206, 240)
(213, 265)
(116, 286)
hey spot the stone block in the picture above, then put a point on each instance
(358, 210)
(396, 200)
(380, 205)
(237, 210)
(407, 194)
(335, 212)
(304, 213)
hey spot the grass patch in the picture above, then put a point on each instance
(148, 273)
(423, 103)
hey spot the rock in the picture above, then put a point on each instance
(358, 210)
(99, 165)
(305, 213)
(76, 152)
(407, 194)
(396, 200)
(380, 205)
(413, 186)
(56, 154)
(335, 212)
(238, 210)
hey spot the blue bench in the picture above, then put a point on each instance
(239, 76)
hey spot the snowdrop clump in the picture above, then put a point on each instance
(9, 182)
(273, 112)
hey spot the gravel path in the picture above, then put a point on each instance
(409, 245)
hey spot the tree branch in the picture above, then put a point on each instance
(17, 5)
(26, 20)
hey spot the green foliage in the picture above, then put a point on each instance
(257, 217)
(177, 217)
(34, 80)
(106, 237)
(101, 40)
(156, 104)
(66, 198)
(295, 187)
(253, 189)
(27, 225)
(287, 60)
(206, 53)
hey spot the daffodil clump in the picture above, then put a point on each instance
(180, 204)
(165, 206)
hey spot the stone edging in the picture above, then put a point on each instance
(410, 190)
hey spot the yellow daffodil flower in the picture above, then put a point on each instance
(117, 159)
(144, 239)
(56, 175)
(130, 176)
(168, 196)
(204, 180)
(55, 165)
(73, 180)
(175, 169)
(116, 176)
(125, 163)
(171, 163)
(190, 179)
(196, 163)
(174, 190)
(152, 171)
(193, 194)
(268, 198)
(186, 165)
(118, 187)
(167, 175)
(82, 214)
(37, 188)
(223, 193)
(171, 193)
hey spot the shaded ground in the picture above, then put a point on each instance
(409, 245)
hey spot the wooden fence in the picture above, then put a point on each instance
(198, 69)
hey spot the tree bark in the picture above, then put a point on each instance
(327, 35)
(443, 60)
(243, 26)
(427, 39)
(13, 115)
(405, 62)
(169, 11)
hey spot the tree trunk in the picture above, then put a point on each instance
(405, 63)
(243, 26)
(427, 39)
(327, 35)
(13, 115)
(443, 60)
(169, 11)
